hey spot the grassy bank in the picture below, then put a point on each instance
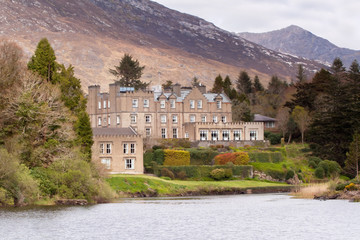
(143, 185)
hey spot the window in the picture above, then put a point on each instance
(135, 103)
(174, 118)
(172, 103)
(99, 104)
(106, 162)
(105, 121)
(192, 118)
(175, 133)
(269, 124)
(192, 104)
(199, 103)
(125, 148)
(162, 104)
(99, 121)
(214, 135)
(101, 148)
(129, 163)
(108, 103)
(218, 104)
(223, 119)
(133, 119)
(104, 103)
(163, 118)
(163, 133)
(146, 103)
(132, 148)
(215, 119)
(253, 135)
(117, 119)
(203, 135)
(108, 148)
(148, 132)
(226, 135)
(109, 121)
(237, 135)
(186, 135)
(203, 118)
(148, 118)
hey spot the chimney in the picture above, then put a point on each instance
(202, 88)
(176, 89)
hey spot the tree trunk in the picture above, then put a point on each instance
(289, 139)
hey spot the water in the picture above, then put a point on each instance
(265, 216)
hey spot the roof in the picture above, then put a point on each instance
(209, 96)
(113, 131)
(262, 118)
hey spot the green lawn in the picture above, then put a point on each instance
(144, 183)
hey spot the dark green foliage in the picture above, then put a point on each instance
(218, 85)
(353, 157)
(257, 85)
(273, 157)
(84, 134)
(241, 111)
(341, 186)
(274, 138)
(159, 156)
(276, 174)
(301, 77)
(289, 174)
(149, 161)
(43, 61)
(319, 172)
(337, 65)
(202, 156)
(276, 86)
(129, 72)
(243, 83)
(165, 172)
(312, 164)
(156, 147)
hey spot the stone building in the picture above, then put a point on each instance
(120, 150)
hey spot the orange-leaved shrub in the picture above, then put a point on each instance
(176, 157)
(237, 158)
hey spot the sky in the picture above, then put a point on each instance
(334, 20)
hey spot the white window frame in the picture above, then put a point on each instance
(175, 133)
(237, 135)
(225, 135)
(147, 118)
(163, 118)
(172, 103)
(133, 119)
(223, 119)
(174, 118)
(102, 148)
(203, 118)
(108, 104)
(132, 148)
(117, 120)
(125, 148)
(218, 104)
(192, 104)
(163, 133)
(186, 135)
(106, 162)
(148, 132)
(129, 163)
(135, 103)
(104, 104)
(214, 135)
(99, 104)
(109, 120)
(192, 118)
(108, 148)
(99, 121)
(199, 104)
(203, 135)
(162, 103)
(146, 103)
(253, 135)
(215, 120)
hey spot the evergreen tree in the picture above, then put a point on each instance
(84, 134)
(276, 86)
(353, 157)
(195, 82)
(338, 65)
(129, 72)
(301, 76)
(218, 85)
(257, 84)
(227, 86)
(168, 84)
(243, 83)
(43, 62)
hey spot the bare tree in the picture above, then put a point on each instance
(302, 119)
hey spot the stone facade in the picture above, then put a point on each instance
(120, 150)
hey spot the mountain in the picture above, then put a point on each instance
(93, 35)
(297, 41)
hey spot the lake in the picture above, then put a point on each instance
(251, 216)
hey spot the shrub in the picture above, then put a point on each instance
(319, 172)
(167, 173)
(276, 157)
(289, 174)
(156, 147)
(312, 164)
(341, 186)
(176, 157)
(259, 157)
(228, 173)
(351, 187)
(202, 156)
(181, 175)
(274, 138)
(175, 143)
(148, 161)
(316, 160)
(218, 174)
(159, 156)
(237, 158)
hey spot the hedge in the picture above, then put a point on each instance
(243, 171)
(273, 157)
(202, 156)
(237, 158)
(176, 157)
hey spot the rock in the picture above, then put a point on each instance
(71, 202)
(294, 181)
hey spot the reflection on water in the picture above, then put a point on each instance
(267, 216)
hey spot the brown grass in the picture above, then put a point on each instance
(311, 190)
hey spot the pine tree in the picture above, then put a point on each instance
(353, 157)
(129, 72)
(84, 133)
(276, 86)
(218, 85)
(227, 86)
(257, 84)
(43, 62)
(301, 76)
(243, 84)
(338, 65)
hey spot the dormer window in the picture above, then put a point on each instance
(172, 103)
(162, 104)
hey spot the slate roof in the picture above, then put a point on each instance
(262, 118)
(209, 96)
(113, 131)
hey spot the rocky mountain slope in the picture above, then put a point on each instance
(94, 34)
(297, 41)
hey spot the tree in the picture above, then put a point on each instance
(353, 157)
(129, 72)
(337, 65)
(227, 86)
(243, 83)
(195, 82)
(257, 85)
(168, 84)
(84, 134)
(302, 119)
(241, 111)
(43, 62)
(276, 86)
(218, 85)
(282, 120)
(301, 76)
(291, 126)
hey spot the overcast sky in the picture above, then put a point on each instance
(334, 20)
